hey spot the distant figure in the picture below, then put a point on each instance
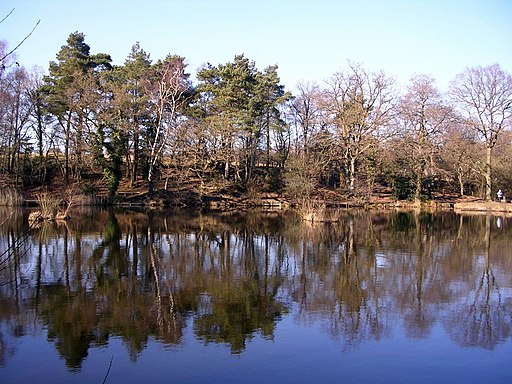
(500, 195)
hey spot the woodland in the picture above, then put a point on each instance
(145, 129)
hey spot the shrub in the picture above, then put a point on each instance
(49, 204)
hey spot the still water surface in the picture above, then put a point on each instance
(189, 297)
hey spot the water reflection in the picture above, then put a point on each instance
(483, 317)
(143, 276)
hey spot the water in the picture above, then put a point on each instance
(190, 297)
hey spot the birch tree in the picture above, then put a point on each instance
(167, 96)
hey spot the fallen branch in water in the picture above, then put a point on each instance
(108, 371)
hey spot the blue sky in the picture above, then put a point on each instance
(308, 40)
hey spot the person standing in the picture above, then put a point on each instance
(500, 195)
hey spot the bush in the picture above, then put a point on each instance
(300, 177)
(49, 204)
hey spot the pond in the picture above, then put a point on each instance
(256, 297)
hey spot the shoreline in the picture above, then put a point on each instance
(322, 199)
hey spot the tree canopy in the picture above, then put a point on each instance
(235, 127)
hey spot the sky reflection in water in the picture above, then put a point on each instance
(188, 297)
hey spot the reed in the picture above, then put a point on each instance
(312, 211)
(10, 197)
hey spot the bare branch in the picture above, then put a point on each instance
(9, 14)
(21, 42)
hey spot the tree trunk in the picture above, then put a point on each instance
(150, 178)
(352, 175)
(488, 181)
(42, 165)
(135, 159)
(345, 173)
(461, 183)
(419, 180)
(78, 150)
(66, 148)
(268, 140)
(226, 170)
(417, 192)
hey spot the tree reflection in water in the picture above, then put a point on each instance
(230, 277)
(482, 319)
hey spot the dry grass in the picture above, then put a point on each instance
(312, 211)
(10, 197)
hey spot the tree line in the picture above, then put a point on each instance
(236, 128)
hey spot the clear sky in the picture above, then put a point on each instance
(308, 40)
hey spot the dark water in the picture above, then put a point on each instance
(184, 297)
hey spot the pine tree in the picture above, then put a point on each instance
(70, 79)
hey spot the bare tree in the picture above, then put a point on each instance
(484, 95)
(424, 116)
(305, 115)
(167, 95)
(462, 155)
(360, 105)
(15, 115)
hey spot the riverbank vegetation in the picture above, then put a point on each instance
(144, 132)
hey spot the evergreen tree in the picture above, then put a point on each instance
(132, 103)
(244, 100)
(272, 96)
(71, 79)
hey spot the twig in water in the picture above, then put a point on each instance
(108, 371)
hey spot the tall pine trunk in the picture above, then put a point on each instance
(66, 147)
